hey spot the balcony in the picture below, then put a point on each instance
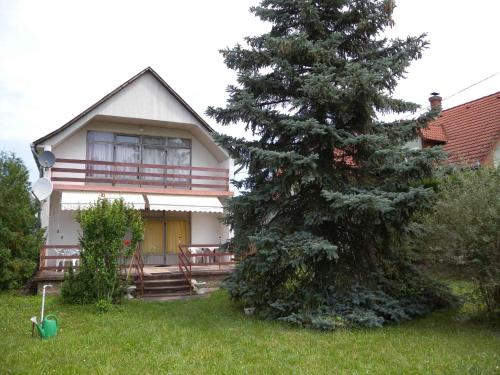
(135, 175)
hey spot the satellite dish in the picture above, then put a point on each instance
(42, 188)
(47, 159)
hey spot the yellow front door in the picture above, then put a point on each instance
(178, 231)
(162, 238)
(153, 238)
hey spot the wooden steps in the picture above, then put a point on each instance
(166, 285)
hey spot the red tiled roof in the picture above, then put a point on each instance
(469, 130)
(433, 132)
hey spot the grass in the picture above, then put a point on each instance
(213, 336)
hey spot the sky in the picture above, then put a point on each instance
(59, 57)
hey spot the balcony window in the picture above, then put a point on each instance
(119, 148)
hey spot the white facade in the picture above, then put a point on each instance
(144, 106)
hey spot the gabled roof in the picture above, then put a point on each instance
(469, 131)
(116, 91)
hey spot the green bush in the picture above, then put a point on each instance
(463, 231)
(20, 237)
(110, 232)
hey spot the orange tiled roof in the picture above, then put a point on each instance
(469, 131)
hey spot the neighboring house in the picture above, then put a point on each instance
(469, 133)
(120, 147)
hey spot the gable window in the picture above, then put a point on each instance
(145, 150)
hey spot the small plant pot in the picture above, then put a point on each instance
(249, 310)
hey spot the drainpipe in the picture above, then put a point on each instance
(40, 174)
(35, 156)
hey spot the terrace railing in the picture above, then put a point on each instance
(137, 264)
(202, 255)
(59, 257)
(159, 175)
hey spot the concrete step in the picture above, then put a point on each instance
(170, 297)
(164, 282)
(166, 289)
(164, 276)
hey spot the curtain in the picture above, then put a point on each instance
(153, 155)
(153, 237)
(101, 152)
(181, 157)
(127, 153)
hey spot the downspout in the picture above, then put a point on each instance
(35, 156)
(40, 174)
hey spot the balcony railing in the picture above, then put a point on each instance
(150, 175)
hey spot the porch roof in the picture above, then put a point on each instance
(184, 203)
(75, 200)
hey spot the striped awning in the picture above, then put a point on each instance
(77, 200)
(186, 203)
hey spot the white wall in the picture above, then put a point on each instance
(206, 228)
(63, 227)
(414, 144)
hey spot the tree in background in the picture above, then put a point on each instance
(463, 230)
(330, 189)
(110, 232)
(20, 238)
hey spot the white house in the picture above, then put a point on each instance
(141, 142)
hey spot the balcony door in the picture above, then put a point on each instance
(139, 149)
(127, 150)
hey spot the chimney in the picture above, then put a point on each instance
(435, 100)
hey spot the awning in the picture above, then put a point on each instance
(75, 200)
(184, 203)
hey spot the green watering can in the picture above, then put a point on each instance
(48, 325)
(48, 328)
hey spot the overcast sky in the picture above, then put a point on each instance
(59, 57)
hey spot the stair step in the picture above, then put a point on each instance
(166, 289)
(165, 282)
(164, 276)
(169, 297)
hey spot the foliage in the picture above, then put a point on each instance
(103, 306)
(331, 189)
(20, 237)
(210, 336)
(110, 231)
(463, 230)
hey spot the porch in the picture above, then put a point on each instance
(201, 268)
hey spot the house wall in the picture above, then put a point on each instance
(493, 158)
(75, 147)
(63, 228)
(414, 144)
(206, 228)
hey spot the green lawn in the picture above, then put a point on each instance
(211, 336)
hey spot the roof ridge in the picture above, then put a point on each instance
(117, 90)
(471, 101)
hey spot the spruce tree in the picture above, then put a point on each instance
(331, 189)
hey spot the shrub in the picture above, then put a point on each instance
(105, 226)
(463, 230)
(20, 237)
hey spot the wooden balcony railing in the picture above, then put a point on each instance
(116, 173)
